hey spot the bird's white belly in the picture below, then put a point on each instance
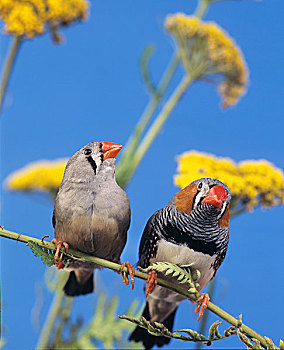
(184, 256)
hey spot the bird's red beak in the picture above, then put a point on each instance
(110, 149)
(216, 196)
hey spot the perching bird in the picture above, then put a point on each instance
(91, 213)
(191, 230)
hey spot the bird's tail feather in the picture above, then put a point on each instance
(148, 340)
(73, 288)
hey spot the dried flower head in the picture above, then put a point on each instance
(37, 176)
(210, 51)
(252, 182)
(29, 17)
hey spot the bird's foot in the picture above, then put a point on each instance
(151, 281)
(204, 299)
(58, 262)
(131, 273)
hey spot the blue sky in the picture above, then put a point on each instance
(90, 89)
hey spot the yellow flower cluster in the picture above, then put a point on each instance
(38, 176)
(29, 17)
(210, 46)
(252, 182)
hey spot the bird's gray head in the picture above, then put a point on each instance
(91, 161)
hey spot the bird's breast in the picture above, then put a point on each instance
(184, 256)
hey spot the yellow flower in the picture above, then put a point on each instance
(30, 17)
(252, 182)
(66, 11)
(210, 50)
(38, 176)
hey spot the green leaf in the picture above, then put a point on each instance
(214, 331)
(105, 328)
(158, 329)
(270, 344)
(256, 344)
(46, 255)
(181, 274)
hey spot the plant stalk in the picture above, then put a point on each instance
(53, 311)
(126, 158)
(201, 8)
(8, 65)
(141, 275)
(157, 125)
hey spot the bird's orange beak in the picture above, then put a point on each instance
(110, 149)
(216, 196)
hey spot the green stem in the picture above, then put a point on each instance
(150, 109)
(129, 149)
(52, 314)
(125, 168)
(116, 267)
(157, 125)
(201, 8)
(8, 67)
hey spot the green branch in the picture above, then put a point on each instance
(116, 267)
(156, 126)
(123, 173)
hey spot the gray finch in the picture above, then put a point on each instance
(91, 212)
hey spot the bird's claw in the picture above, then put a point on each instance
(151, 281)
(58, 263)
(204, 299)
(45, 236)
(131, 273)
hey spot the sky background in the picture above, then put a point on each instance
(61, 97)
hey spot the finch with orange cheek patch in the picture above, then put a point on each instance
(192, 230)
(91, 213)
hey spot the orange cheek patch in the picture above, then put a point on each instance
(184, 199)
(224, 221)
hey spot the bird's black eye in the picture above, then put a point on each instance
(199, 186)
(87, 151)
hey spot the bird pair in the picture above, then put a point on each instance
(92, 214)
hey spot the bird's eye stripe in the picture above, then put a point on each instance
(93, 164)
